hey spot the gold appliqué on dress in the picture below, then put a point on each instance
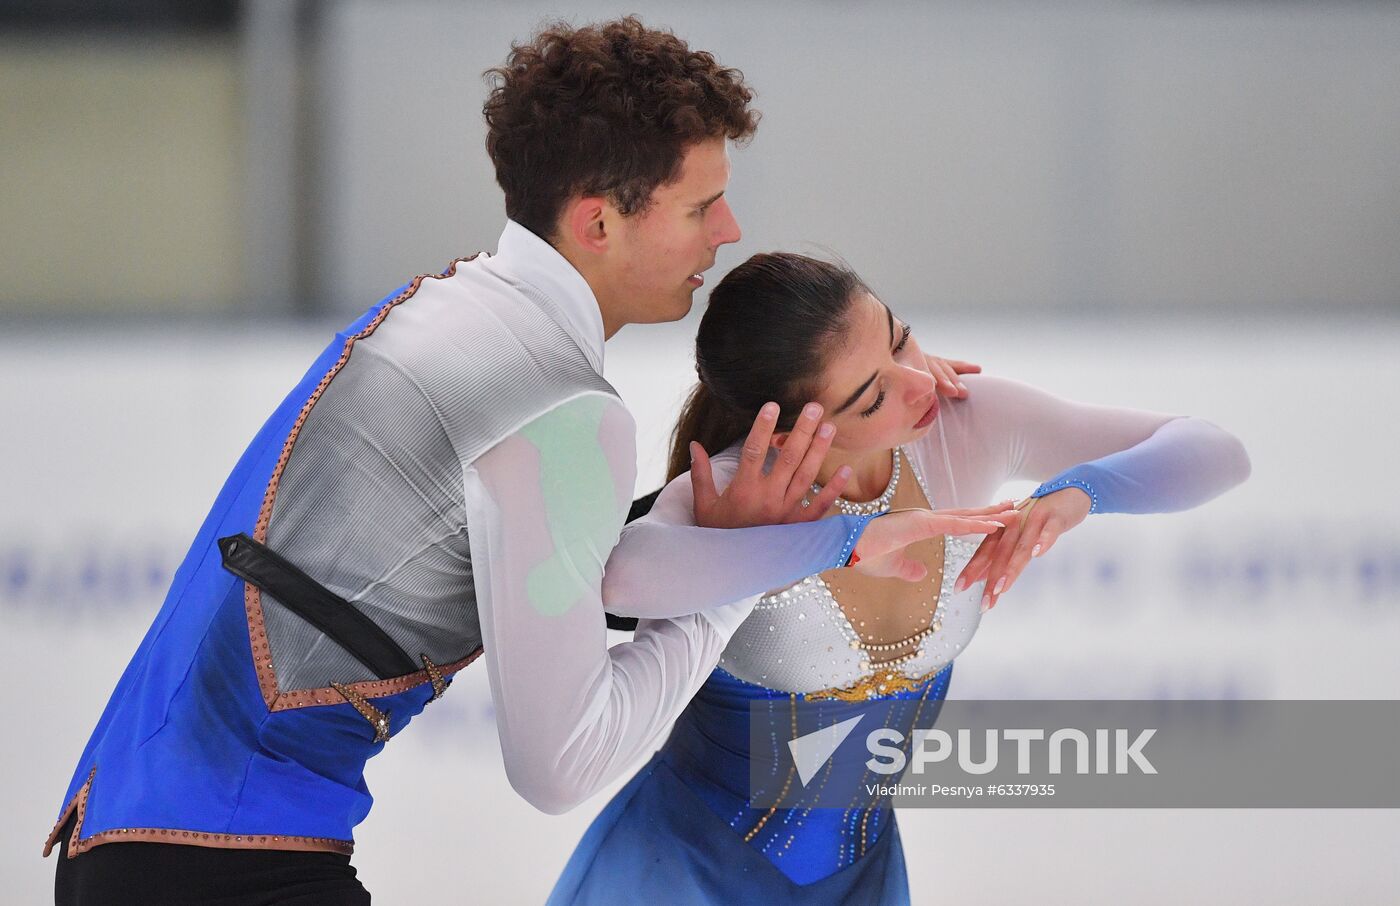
(882, 682)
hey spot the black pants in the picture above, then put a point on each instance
(157, 874)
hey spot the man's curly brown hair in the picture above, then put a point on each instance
(605, 110)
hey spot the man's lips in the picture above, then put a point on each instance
(697, 279)
(928, 416)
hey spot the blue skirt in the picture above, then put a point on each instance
(682, 830)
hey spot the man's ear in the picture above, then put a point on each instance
(585, 223)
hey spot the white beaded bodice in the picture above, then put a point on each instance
(799, 639)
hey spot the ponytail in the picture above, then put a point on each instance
(706, 421)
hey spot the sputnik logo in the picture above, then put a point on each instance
(811, 751)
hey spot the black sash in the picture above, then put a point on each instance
(313, 602)
(337, 618)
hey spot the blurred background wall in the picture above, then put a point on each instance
(1182, 206)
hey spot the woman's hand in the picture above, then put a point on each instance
(754, 498)
(945, 375)
(880, 551)
(1003, 555)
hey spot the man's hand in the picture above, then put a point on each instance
(945, 375)
(1003, 555)
(881, 549)
(754, 498)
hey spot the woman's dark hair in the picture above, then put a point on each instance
(605, 110)
(772, 325)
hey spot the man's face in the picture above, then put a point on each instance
(660, 254)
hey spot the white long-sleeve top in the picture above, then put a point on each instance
(462, 481)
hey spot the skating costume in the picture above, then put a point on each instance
(682, 830)
(447, 478)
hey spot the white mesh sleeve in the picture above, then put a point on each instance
(544, 509)
(1008, 430)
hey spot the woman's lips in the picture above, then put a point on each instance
(929, 416)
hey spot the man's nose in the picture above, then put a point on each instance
(726, 228)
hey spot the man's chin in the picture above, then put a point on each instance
(674, 311)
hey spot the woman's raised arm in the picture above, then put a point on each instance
(1089, 459)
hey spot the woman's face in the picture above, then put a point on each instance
(876, 388)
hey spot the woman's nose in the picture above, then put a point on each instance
(919, 384)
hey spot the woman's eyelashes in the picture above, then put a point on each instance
(903, 339)
(879, 401)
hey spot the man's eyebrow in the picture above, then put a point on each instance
(711, 200)
(855, 396)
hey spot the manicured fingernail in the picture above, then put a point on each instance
(826, 430)
(811, 410)
(962, 387)
(769, 410)
(1001, 583)
(693, 445)
(986, 603)
(843, 472)
(1035, 551)
(961, 583)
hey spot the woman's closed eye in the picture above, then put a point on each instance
(875, 407)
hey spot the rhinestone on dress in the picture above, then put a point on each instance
(871, 507)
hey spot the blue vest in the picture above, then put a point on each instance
(195, 746)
